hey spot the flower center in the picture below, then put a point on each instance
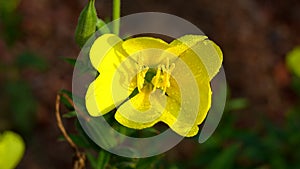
(160, 79)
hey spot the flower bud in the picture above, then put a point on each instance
(86, 23)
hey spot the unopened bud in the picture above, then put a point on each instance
(86, 25)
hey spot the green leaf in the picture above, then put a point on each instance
(92, 160)
(148, 163)
(67, 92)
(225, 159)
(103, 159)
(85, 137)
(70, 114)
(98, 132)
(64, 100)
(101, 25)
(80, 141)
(86, 25)
(12, 149)
(126, 165)
(293, 60)
(71, 61)
(236, 104)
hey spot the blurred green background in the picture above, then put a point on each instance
(260, 126)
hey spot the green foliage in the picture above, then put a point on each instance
(22, 105)
(236, 104)
(225, 159)
(10, 20)
(9, 6)
(149, 163)
(64, 99)
(18, 102)
(101, 159)
(101, 162)
(12, 148)
(31, 60)
(296, 84)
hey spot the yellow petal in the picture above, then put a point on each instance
(99, 99)
(181, 127)
(106, 56)
(178, 46)
(199, 72)
(185, 99)
(132, 124)
(204, 59)
(141, 111)
(134, 45)
(181, 123)
(209, 53)
(150, 49)
(107, 53)
(186, 123)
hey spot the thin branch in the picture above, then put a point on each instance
(80, 158)
(61, 126)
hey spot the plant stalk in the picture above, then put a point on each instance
(116, 16)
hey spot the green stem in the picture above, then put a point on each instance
(116, 16)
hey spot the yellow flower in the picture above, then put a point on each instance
(143, 78)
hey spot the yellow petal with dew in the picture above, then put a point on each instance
(209, 53)
(180, 113)
(141, 111)
(133, 124)
(134, 45)
(200, 74)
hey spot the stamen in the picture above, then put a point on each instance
(142, 73)
(162, 78)
(141, 78)
(155, 79)
(168, 63)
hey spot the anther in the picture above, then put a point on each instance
(142, 73)
(156, 78)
